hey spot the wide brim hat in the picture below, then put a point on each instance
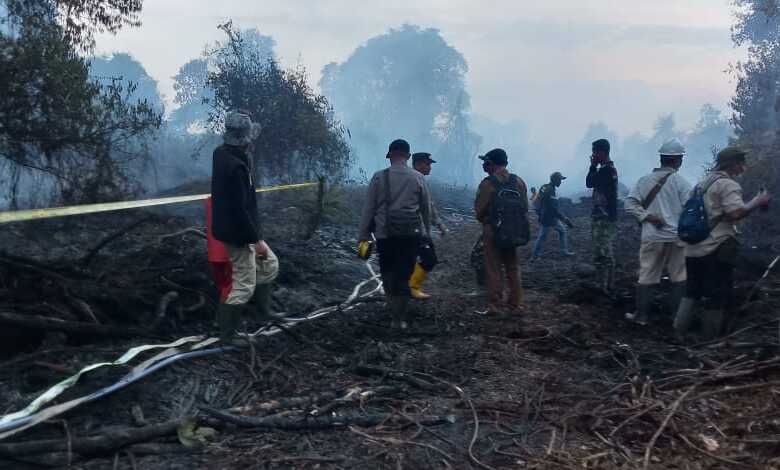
(239, 129)
(730, 155)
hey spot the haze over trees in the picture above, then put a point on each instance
(94, 128)
(59, 129)
(301, 138)
(406, 83)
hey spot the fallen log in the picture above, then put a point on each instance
(38, 322)
(288, 422)
(92, 444)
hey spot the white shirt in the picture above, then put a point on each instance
(668, 204)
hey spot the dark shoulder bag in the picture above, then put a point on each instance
(399, 223)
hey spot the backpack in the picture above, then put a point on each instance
(537, 201)
(509, 214)
(694, 225)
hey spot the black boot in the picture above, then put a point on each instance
(712, 324)
(262, 303)
(397, 306)
(644, 296)
(676, 296)
(684, 317)
(228, 319)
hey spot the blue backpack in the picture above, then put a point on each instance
(694, 225)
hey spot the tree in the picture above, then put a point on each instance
(405, 83)
(711, 133)
(301, 137)
(125, 69)
(460, 145)
(54, 120)
(79, 20)
(755, 103)
(192, 96)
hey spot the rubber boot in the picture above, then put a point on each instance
(676, 295)
(228, 319)
(416, 281)
(262, 303)
(607, 281)
(684, 317)
(611, 279)
(395, 313)
(712, 324)
(403, 313)
(644, 297)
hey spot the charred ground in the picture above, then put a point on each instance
(570, 385)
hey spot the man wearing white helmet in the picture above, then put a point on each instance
(656, 201)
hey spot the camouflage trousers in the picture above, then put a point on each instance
(477, 261)
(604, 233)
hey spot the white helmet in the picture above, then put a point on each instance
(672, 147)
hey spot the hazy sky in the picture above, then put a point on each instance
(555, 65)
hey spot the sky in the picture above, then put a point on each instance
(555, 66)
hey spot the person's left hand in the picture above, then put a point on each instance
(261, 250)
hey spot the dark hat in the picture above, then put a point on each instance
(422, 157)
(398, 145)
(495, 156)
(730, 155)
(557, 176)
(601, 144)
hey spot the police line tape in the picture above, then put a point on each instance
(34, 214)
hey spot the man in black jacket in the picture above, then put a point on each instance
(234, 217)
(603, 179)
(550, 217)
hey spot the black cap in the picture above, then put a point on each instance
(601, 144)
(557, 176)
(495, 156)
(422, 157)
(398, 145)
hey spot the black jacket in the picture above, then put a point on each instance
(604, 182)
(234, 207)
(549, 214)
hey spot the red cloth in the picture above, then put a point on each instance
(219, 261)
(223, 278)
(216, 250)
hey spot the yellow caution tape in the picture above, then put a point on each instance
(33, 214)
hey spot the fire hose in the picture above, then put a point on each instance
(30, 416)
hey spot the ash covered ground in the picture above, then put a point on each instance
(570, 384)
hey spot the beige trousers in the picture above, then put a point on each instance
(655, 256)
(244, 263)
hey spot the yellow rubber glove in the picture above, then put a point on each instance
(364, 249)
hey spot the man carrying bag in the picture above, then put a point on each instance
(397, 211)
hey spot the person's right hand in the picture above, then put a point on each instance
(762, 199)
(261, 250)
(655, 220)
